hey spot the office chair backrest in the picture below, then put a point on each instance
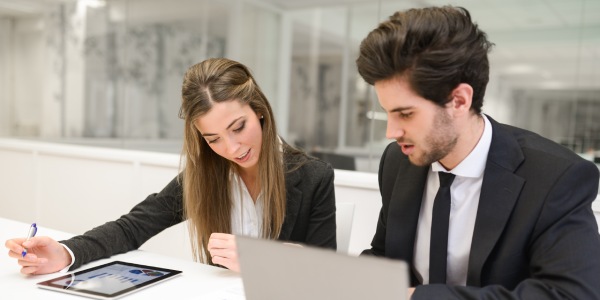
(344, 218)
(337, 161)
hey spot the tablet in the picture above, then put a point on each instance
(109, 281)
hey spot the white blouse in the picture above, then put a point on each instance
(246, 216)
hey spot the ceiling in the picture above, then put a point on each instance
(546, 44)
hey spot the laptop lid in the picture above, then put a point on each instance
(273, 270)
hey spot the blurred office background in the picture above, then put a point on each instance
(109, 72)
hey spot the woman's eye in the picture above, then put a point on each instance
(240, 128)
(212, 141)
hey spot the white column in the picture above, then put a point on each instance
(282, 102)
(53, 86)
(73, 111)
(346, 61)
(27, 55)
(6, 75)
(234, 32)
(313, 80)
(497, 101)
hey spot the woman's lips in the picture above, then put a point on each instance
(244, 157)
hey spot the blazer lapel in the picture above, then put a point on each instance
(293, 198)
(499, 193)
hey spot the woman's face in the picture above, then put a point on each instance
(233, 131)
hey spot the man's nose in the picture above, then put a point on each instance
(393, 130)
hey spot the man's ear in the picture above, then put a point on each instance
(462, 97)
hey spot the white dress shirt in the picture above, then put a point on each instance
(465, 191)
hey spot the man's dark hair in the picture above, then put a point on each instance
(434, 49)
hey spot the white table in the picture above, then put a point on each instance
(198, 281)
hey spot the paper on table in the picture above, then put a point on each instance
(234, 291)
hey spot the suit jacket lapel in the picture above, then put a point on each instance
(499, 193)
(293, 197)
(403, 215)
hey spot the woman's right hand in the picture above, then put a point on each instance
(44, 255)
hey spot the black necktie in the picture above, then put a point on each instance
(438, 251)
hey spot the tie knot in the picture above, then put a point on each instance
(446, 179)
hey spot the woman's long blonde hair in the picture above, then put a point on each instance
(206, 184)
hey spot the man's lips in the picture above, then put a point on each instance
(407, 149)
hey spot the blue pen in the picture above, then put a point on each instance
(30, 234)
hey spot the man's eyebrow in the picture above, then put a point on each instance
(399, 109)
(229, 126)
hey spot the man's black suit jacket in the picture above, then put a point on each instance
(535, 234)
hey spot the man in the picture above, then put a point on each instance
(520, 223)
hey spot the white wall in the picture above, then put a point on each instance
(75, 188)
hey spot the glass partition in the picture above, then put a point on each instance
(109, 72)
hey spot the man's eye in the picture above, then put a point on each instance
(405, 115)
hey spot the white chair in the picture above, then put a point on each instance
(344, 217)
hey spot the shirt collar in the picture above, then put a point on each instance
(474, 164)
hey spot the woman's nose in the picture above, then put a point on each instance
(232, 145)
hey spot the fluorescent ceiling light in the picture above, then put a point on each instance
(94, 3)
(519, 69)
(376, 115)
(553, 84)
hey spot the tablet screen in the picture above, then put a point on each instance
(110, 280)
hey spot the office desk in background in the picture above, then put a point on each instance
(198, 281)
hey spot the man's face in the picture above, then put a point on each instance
(424, 131)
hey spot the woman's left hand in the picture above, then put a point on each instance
(223, 251)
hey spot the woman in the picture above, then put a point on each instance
(239, 178)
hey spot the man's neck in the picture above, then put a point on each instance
(469, 133)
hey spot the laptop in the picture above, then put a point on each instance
(273, 270)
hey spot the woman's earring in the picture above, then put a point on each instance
(262, 117)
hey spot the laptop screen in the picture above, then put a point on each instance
(273, 270)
